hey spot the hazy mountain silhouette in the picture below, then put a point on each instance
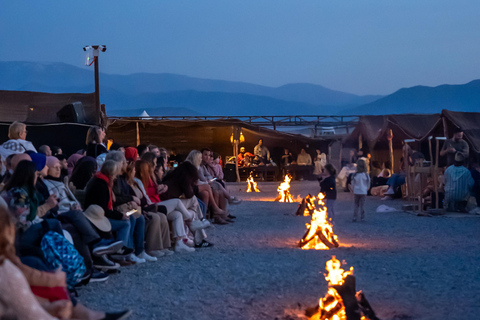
(61, 78)
(209, 104)
(422, 99)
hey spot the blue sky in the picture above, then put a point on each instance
(358, 46)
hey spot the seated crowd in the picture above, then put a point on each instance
(67, 221)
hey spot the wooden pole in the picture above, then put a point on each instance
(235, 151)
(390, 149)
(138, 134)
(360, 142)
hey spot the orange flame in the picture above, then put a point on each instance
(284, 190)
(319, 235)
(331, 306)
(252, 185)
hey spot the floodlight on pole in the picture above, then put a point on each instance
(92, 53)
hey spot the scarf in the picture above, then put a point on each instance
(103, 177)
(35, 199)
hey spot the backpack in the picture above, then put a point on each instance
(59, 252)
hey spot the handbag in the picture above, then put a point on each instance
(61, 253)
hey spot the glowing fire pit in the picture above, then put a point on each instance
(252, 185)
(284, 190)
(341, 302)
(319, 235)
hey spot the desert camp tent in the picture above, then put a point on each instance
(181, 136)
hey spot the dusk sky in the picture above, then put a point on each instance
(358, 46)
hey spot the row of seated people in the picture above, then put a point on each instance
(117, 209)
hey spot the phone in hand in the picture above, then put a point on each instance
(129, 213)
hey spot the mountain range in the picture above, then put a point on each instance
(172, 94)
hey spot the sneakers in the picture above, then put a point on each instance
(387, 197)
(390, 191)
(180, 247)
(124, 252)
(122, 315)
(107, 247)
(167, 252)
(475, 211)
(104, 263)
(146, 257)
(136, 259)
(98, 276)
(189, 242)
(156, 253)
(204, 244)
(234, 200)
(199, 224)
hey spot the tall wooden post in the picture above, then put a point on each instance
(390, 147)
(138, 134)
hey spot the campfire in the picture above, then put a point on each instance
(319, 234)
(307, 206)
(284, 190)
(252, 185)
(341, 302)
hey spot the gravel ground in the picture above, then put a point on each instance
(409, 267)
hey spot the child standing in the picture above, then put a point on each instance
(360, 185)
(329, 188)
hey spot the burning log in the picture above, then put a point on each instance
(341, 302)
(319, 234)
(252, 185)
(284, 190)
(307, 207)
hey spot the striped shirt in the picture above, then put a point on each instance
(458, 183)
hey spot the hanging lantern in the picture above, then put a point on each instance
(242, 137)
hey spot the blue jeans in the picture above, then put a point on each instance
(330, 204)
(137, 234)
(121, 230)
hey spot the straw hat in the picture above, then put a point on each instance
(96, 215)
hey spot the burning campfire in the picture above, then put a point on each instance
(284, 190)
(341, 302)
(319, 235)
(307, 206)
(252, 185)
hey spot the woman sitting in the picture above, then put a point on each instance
(17, 132)
(127, 203)
(204, 191)
(157, 232)
(31, 294)
(99, 192)
(175, 210)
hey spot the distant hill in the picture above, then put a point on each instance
(144, 88)
(208, 103)
(422, 99)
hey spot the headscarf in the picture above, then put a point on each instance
(72, 161)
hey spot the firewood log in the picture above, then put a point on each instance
(347, 292)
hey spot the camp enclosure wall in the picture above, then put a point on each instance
(38, 110)
(373, 131)
(182, 136)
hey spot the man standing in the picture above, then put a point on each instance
(262, 155)
(454, 145)
(458, 183)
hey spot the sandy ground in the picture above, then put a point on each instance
(409, 267)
